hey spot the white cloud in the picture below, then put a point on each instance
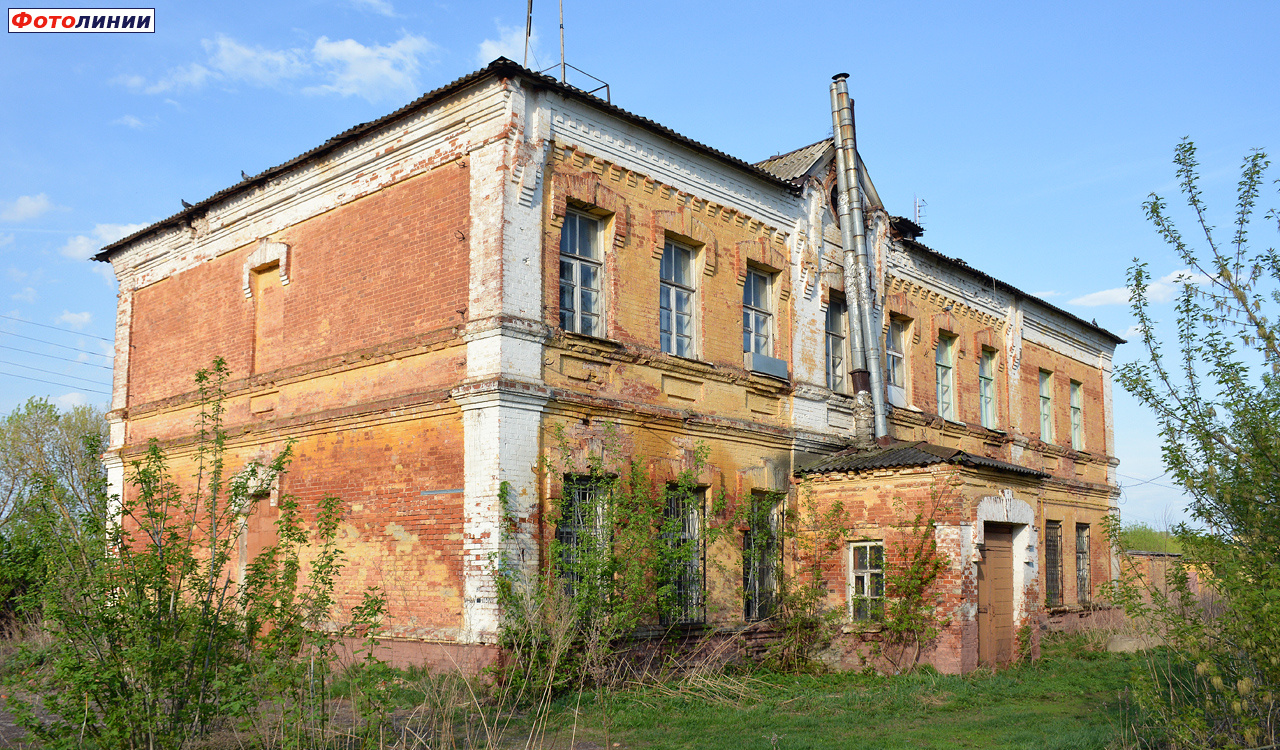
(1159, 291)
(1132, 333)
(16, 274)
(509, 44)
(376, 72)
(82, 246)
(28, 295)
(75, 320)
(68, 400)
(25, 207)
(377, 6)
(1046, 295)
(129, 121)
(345, 67)
(5, 239)
(254, 65)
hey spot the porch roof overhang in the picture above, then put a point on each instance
(908, 455)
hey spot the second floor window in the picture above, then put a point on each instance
(581, 301)
(896, 360)
(946, 377)
(1077, 416)
(1046, 406)
(676, 300)
(837, 314)
(757, 320)
(987, 388)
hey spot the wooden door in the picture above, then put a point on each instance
(995, 596)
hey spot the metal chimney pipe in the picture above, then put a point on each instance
(853, 237)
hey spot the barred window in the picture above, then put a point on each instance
(1053, 563)
(583, 533)
(760, 558)
(1082, 562)
(680, 591)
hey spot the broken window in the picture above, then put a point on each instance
(837, 314)
(581, 275)
(583, 535)
(759, 557)
(945, 368)
(680, 590)
(895, 360)
(1077, 416)
(866, 580)
(1053, 563)
(987, 388)
(676, 300)
(757, 320)
(1046, 406)
(1082, 562)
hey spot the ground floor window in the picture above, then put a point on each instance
(866, 580)
(1053, 563)
(680, 590)
(582, 534)
(1082, 562)
(760, 557)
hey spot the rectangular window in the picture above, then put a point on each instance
(945, 370)
(676, 300)
(680, 590)
(1077, 416)
(895, 360)
(1046, 406)
(760, 557)
(582, 534)
(757, 320)
(837, 314)
(581, 274)
(1053, 563)
(1082, 563)
(987, 388)
(866, 580)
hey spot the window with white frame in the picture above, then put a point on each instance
(1077, 416)
(837, 315)
(945, 370)
(757, 318)
(680, 590)
(760, 557)
(676, 300)
(987, 388)
(866, 580)
(581, 275)
(896, 360)
(1046, 406)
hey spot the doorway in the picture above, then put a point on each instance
(995, 595)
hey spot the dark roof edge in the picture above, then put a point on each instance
(499, 67)
(1011, 288)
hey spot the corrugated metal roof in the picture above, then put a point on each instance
(500, 66)
(903, 455)
(795, 164)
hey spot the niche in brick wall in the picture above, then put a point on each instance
(268, 318)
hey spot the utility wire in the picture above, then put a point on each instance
(54, 356)
(50, 343)
(51, 372)
(50, 382)
(56, 328)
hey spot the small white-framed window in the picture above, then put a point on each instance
(1077, 416)
(896, 360)
(1082, 563)
(677, 299)
(581, 275)
(1046, 406)
(837, 316)
(987, 388)
(757, 315)
(945, 376)
(866, 580)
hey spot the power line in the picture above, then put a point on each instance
(50, 343)
(56, 328)
(52, 372)
(50, 382)
(54, 356)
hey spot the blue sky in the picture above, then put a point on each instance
(1033, 131)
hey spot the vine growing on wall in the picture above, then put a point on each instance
(911, 620)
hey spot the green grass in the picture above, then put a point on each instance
(1071, 698)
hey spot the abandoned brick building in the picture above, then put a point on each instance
(424, 300)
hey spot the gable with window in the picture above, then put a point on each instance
(677, 300)
(866, 580)
(581, 275)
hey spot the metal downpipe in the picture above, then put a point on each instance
(853, 237)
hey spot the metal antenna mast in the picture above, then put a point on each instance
(562, 71)
(528, 31)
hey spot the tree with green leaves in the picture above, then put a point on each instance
(1215, 391)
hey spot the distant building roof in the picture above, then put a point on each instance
(904, 455)
(810, 160)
